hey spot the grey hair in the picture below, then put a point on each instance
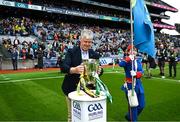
(86, 33)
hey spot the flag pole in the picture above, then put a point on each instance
(132, 39)
(131, 21)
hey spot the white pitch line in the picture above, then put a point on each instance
(166, 79)
(5, 77)
(21, 80)
(151, 77)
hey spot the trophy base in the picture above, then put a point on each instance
(82, 108)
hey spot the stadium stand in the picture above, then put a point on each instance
(55, 26)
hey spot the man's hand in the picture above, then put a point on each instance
(77, 70)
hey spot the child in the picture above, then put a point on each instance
(133, 73)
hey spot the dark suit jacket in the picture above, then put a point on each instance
(73, 59)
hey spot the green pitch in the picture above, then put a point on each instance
(37, 96)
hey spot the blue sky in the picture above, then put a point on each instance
(174, 17)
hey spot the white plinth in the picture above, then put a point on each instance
(87, 109)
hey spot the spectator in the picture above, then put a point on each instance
(16, 42)
(172, 59)
(40, 58)
(14, 57)
(161, 56)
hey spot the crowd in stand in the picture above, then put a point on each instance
(54, 39)
(16, 26)
(59, 37)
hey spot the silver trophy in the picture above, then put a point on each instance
(90, 82)
(90, 68)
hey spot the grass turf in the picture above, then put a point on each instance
(37, 96)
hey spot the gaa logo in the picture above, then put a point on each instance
(94, 107)
(76, 105)
(6, 3)
(21, 5)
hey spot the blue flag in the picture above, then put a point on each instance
(143, 28)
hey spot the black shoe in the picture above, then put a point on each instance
(126, 117)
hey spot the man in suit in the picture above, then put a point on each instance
(172, 59)
(72, 64)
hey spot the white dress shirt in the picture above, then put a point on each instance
(84, 55)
